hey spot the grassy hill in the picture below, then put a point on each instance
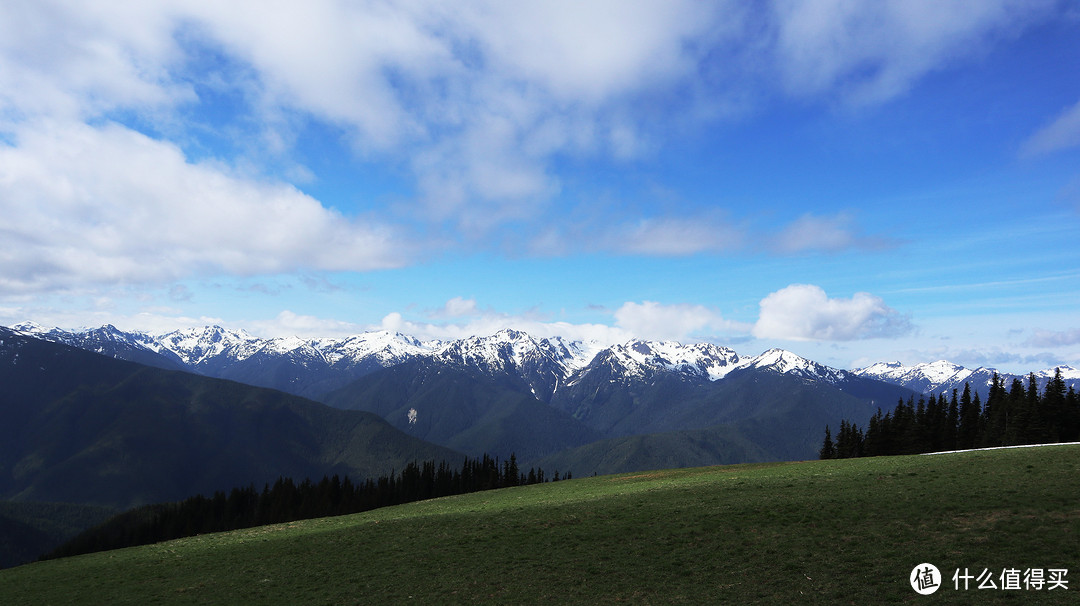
(826, 532)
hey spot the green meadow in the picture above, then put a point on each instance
(825, 532)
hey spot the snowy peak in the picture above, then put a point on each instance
(702, 360)
(935, 377)
(1068, 373)
(387, 347)
(198, 346)
(543, 364)
(927, 377)
(785, 362)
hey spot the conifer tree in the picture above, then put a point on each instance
(828, 450)
(967, 432)
(1053, 407)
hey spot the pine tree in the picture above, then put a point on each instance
(995, 413)
(1053, 407)
(828, 450)
(1016, 415)
(967, 432)
(1071, 424)
(953, 422)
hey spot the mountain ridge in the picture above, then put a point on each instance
(944, 376)
(546, 364)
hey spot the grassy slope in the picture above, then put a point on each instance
(824, 532)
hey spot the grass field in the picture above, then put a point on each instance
(825, 532)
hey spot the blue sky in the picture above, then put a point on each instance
(852, 181)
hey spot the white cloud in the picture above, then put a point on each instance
(489, 322)
(870, 52)
(811, 233)
(677, 322)
(803, 312)
(458, 307)
(665, 236)
(85, 206)
(673, 236)
(74, 60)
(1054, 338)
(1062, 133)
(479, 101)
(290, 324)
(476, 99)
(645, 320)
(590, 52)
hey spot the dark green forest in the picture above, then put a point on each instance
(287, 501)
(1010, 416)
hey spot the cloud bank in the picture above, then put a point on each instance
(85, 205)
(803, 312)
(110, 114)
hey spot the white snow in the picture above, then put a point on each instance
(562, 362)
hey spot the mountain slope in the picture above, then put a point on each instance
(464, 408)
(83, 428)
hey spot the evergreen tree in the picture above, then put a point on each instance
(1016, 415)
(967, 432)
(995, 413)
(1070, 427)
(952, 423)
(828, 451)
(511, 472)
(1053, 407)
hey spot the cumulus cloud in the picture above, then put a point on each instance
(457, 307)
(803, 312)
(87, 205)
(678, 322)
(478, 102)
(1062, 133)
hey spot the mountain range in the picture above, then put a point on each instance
(315, 367)
(108, 418)
(513, 392)
(943, 376)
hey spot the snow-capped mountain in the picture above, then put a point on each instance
(939, 376)
(313, 367)
(701, 360)
(110, 341)
(512, 390)
(202, 347)
(543, 363)
(783, 361)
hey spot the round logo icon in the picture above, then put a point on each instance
(925, 578)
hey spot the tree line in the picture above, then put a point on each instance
(287, 501)
(1010, 416)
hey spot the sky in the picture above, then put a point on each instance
(889, 180)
